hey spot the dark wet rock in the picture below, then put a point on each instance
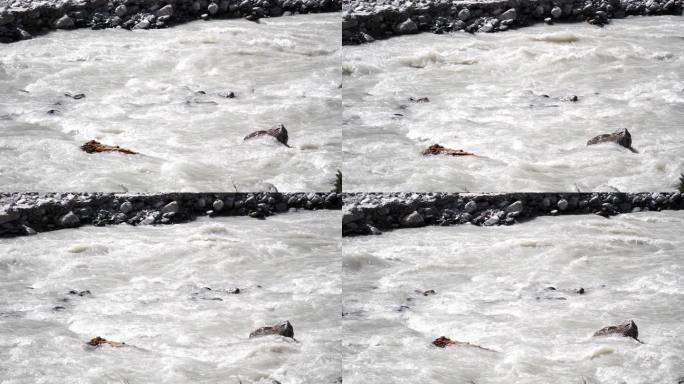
(283, 329)
(171, 207)
(64, 22)
(443, 342)
(414, 219)
(53, 112)
(419, 100)
(580, 291)
(69, 220)
(80, 293)
(407, 26)
(387, 211)
(227, 95)
(429, 292)
(99, 341)
(626, 329)
(436, 149)
(278, 132)
(96, 147)
(77, 96)
(621, 137)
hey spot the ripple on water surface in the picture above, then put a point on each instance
(162, 93)
(507, 97)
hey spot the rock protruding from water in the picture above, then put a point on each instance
(283, 329)
(278, 132)
(29, 17)
(436, 149)
(626, 329)
(365, 21)
(27, 213)
(94, 146)
(443, 342)
(621, 137)
(99, 341)
(373, 213)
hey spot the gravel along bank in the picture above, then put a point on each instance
(372, 213)
(21, 19)
(366, 21)
(28, 213)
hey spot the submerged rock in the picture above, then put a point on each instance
(95, 147)
(626, 329)
(283, 329)
(622, 137)
(278, 131)
(436, 149)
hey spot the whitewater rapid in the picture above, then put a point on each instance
(492, 289)
(162, 93)
(486, 95)
(147, 287)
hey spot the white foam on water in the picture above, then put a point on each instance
(491, 290)
(141, 93)
(147, 290)
(486, 97)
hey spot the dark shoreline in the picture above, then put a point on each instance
(24, 214)
(366, 21)
(21, 23)
(372, 213)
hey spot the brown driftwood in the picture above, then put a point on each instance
(96, 147)
(436, 149)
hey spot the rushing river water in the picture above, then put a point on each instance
(147, 289)
(486, 96)
(491, 289)
(143, 91)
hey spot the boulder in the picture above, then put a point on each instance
(283, 329)
(414, 219)
(64, 22)
(278, 132)
(69, 220)
(621, 137)
(626, 329)
(436, 149)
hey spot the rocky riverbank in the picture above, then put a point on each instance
(22, 19)
(29, 213)
(365, 21)
(372, 213)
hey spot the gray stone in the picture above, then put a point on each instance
(64, 22)
(562, 204)
(407, 26)
(626, 329)
(413, 219)
(491, 221)
(511, 14)
(69, 220)
(217, 205)
(126, 207)
(470, 207)
(516, 207)
(556, 12)
(121, 10)
(171, 207)
(283, 329)
(464, 14)
(166, 10)
(6, 217)
(144, 24)
(546, 203)
(213, 8)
